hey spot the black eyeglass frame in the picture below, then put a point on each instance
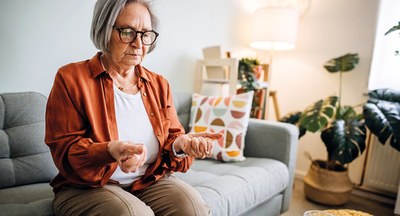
(120, 29)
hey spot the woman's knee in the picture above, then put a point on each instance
(191, 204)
(109, 200)
(171, 196)
(118, 206)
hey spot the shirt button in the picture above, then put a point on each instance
(151, 114)
(158, 134)
(144, 94)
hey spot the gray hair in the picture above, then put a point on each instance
(104, 15)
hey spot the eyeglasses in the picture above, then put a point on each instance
(128, 35)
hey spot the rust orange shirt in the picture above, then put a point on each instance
(80, 121)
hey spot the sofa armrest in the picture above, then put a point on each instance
(270, 139)
(275, 140)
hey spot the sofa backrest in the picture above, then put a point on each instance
(24, 157)
(183, 103)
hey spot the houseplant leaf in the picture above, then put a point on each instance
(386, 94)
(293, 118)
(344, 140)
(346, 113)
(382, 115)
(317, 116)
(394, 28)
(342, 64)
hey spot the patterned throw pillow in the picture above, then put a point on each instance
(227, 115)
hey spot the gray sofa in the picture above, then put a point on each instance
(260, 185)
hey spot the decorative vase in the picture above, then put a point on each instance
(329, 187)
(259, 72)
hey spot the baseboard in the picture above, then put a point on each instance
(374, 196)
(359, 191)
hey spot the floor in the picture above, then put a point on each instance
(300, 204)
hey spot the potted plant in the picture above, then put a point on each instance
(248, 74)
(343, 132)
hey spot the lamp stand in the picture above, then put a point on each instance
(267, 79)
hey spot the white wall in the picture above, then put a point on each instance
(38, 36)
(329, 29)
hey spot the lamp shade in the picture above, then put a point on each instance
(275, 28)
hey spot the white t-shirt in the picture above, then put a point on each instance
(134, 125)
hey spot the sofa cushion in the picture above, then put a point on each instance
(26, 193)
(33, 199)
(234, 188)
(24, 157)
(228, 115)
(36, 208)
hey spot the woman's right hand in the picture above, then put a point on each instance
(130, 156)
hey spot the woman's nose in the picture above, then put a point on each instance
(137, 42)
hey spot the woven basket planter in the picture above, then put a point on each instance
(328, 187)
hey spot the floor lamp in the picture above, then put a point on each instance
(274, 28)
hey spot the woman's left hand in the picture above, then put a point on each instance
(197, 145)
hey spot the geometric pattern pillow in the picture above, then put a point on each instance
(228, 115)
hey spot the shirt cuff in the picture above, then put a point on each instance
(181, 155)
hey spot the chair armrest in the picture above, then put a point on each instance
(275, 140)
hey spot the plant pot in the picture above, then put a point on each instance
(329, 187)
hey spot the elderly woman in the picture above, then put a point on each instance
(112, 127)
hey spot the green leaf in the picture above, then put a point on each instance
(317, 116)
(394, 28)
(343, 63)
(382, 115)
(346, 112)
(386, 94)
(344, 140)
(293, 118)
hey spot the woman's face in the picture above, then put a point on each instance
(136, 16)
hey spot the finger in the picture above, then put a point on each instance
(195, 145)
(189, 150)
(136, 149)
(210, 145)
(208, 134)
(133, 163)
(134, 168)
(125, 157)
(203, 147)
(143, 158)
(124, 167)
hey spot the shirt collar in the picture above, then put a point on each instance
(95, 65)
(142, 73)
(97, 68)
